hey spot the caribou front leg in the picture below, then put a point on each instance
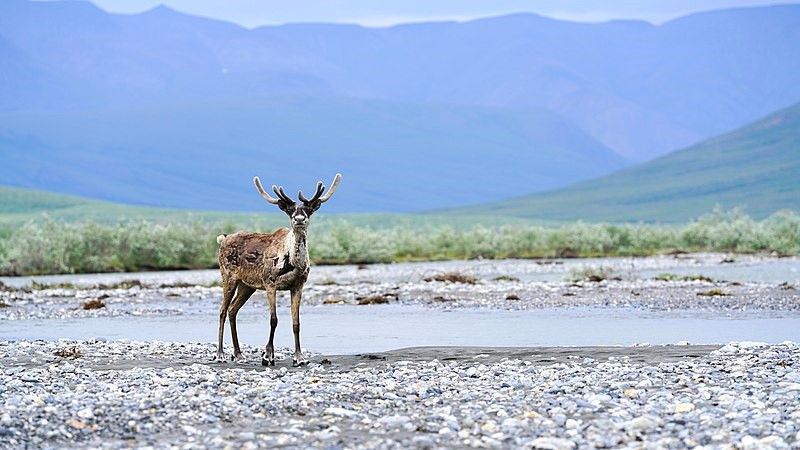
(297, 359)
(269, 351)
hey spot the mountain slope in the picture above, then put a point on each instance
(756, 167)
(641, 90)
(394, 156)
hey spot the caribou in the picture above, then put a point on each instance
(271, 262)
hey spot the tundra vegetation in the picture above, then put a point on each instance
(45, 245)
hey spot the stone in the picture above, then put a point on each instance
(552, 443)
(643, 424)
(341, 412)
(86, 413)
(683, 408)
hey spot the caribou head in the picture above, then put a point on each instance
(299, 213)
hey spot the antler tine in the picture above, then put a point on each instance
(279, 190)
(320, 188)
(263, 193)
(334, 185)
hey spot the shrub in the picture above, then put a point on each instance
(47, 246)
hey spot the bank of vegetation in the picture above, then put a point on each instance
(46, 246)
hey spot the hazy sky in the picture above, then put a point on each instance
(251, 13)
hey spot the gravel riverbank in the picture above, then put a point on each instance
(664, 283)
(122, 394)
(159, 394)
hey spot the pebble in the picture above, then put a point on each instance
(341, 412)
(433, 404)
(643, 423)
(549, 443)
(683, 408)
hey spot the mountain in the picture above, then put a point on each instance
(755, 167)
(639, 89)
(394, 156)
(428, 99)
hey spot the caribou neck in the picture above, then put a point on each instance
(298, 251)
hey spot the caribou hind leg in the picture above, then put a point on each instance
(228, 289)
(243, 293)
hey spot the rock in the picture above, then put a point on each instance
(598, 399)
(247, 435)
(394, 421)
(752, 345)
(643, 424)
(86, 413)
(683, 408)
(341, 412)
(792, 376)
(76, 424)
(552, 443)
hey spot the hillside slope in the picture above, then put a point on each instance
(394, 156)
(756, 167)
(640, 89)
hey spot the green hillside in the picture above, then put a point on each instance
(756, 167)
(18, 206)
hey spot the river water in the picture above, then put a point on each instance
(349, 329)
(346, 329)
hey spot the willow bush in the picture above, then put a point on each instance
(47, 246)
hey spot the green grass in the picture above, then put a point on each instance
(755, 167)
(50, 246)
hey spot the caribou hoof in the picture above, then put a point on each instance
(301, 363)
(239, 359)
(268, 357)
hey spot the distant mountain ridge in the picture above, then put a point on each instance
(626, 87)
(756, 167)
(638, 88)
(394, 156)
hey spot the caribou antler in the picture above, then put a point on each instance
(263, 193)
(282, 195)
(303, 198)
(318, 197)
(278, 190)
(320, 190)
(334, 185)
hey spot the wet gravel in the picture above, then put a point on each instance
(166, 395)
(123, 394)
(510, 285)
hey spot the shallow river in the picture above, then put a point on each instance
(346, 329)
(349, 329)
